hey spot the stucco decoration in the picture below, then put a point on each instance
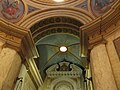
(65, 76)
(99, 7)
(11, 10)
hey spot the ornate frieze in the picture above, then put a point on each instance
(71, 74)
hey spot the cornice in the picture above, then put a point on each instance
(97, 29)
(96, 42)
(20, 39)
(17, 38)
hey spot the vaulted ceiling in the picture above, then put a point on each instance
(52, 33)
(54, 24)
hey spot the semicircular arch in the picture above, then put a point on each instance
(78, 14)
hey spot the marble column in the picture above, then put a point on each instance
(102, 74)
(10, 63)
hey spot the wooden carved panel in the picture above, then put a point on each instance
(117, 46)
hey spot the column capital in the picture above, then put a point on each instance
(18, 38)
(97, 42)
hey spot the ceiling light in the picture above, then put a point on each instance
(63, 49)
(58, 0)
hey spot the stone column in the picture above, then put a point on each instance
(102, 74)
(10, 63)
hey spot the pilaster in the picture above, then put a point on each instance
(10, 63)
(102, 74)
(16, 48)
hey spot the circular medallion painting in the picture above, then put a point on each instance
(99, 7)
(11, 10)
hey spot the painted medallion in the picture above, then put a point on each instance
(11, 10)
(99, 7)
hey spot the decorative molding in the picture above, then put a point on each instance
(71, 81)
(73, 73)
(34, 72)
(18, 38)
(64, 73)
(98, 28)
(51, 3)
(96, 42)
(63, 85)
(35, 17)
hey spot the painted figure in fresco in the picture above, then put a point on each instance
(101, 4)
(10, 10)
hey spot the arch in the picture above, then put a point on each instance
(56, 81)
(78, 14)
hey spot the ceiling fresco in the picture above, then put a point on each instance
(11, 10)
(15, 10)
(99, 7)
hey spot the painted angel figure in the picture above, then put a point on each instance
(10, 10)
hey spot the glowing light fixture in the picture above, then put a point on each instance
(63, 49)
(58, 0)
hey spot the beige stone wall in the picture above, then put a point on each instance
(114, 60)
(10, 63)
